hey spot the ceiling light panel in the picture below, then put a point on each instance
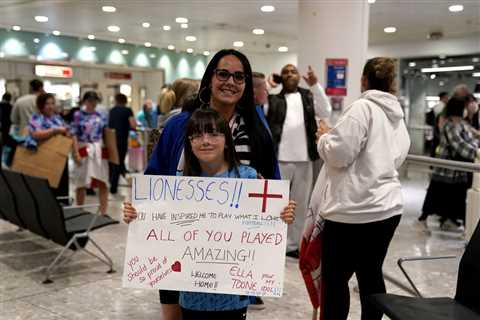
(258, 31)
(191, 38)
(181, 20)
(146, 24)
(455, 8)
(390, 30)
(267, 8)
(238, 44)
(113, 28)
(447, 69)
(109, 9)
(91, 37)
(41, 18)
(283, 49)
(166, 28)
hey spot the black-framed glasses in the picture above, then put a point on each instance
(213, 137)
(223, 75)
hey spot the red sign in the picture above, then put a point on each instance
(336, 77)
(118, 75)
(42, 70)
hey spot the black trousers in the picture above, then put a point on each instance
(240, 314)
(359, 249)
(117, 170)
(448, 200)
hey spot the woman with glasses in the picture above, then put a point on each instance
(226, 87)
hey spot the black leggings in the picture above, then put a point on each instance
(240, 314)
(359, 249)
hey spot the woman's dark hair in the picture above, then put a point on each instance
(380, 73)
(7, 96)
(259, 138)
(42, 100)
(455, 107)
(121, 99)
(470, 98)
(207, 120)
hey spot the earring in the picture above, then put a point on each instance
(203, 103)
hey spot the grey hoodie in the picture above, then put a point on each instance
(359, 180)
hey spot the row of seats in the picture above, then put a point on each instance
(29, 203)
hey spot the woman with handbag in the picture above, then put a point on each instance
(447, 191)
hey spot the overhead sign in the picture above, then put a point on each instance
(118, 75)
(42, 70)
(336, 77)
(207, 235)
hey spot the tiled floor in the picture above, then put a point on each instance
(83, 289)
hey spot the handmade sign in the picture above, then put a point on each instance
(207, 235)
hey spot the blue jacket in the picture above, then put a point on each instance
(167, 152)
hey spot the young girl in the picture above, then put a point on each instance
(210, 152)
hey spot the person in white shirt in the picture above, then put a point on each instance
(292, 116)
(438, 108)
(358, 191)
(25, 107)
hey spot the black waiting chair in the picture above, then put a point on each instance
(24, 202)
(8, 208)
(465, 305)
(69, 227)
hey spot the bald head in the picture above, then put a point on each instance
(290, 78)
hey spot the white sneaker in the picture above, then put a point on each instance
(449, 225)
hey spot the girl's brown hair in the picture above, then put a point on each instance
(207, 120)
(380, 73)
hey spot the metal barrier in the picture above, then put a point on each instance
(428, 162)
(443, 163)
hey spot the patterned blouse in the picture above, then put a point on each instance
(88, 126)
(40, 122)
(456, 142)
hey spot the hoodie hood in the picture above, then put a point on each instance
(387, 102)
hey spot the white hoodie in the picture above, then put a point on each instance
(359, 181)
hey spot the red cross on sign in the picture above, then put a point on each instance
(264, 196)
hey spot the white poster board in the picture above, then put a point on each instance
(207, 235)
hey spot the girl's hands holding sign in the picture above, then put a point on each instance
(288, 213)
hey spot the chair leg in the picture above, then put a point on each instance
(54, 262)
(107, 259)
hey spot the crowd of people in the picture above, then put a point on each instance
(228, 125)
(35, 117)
(456, 137)
(280, 136)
